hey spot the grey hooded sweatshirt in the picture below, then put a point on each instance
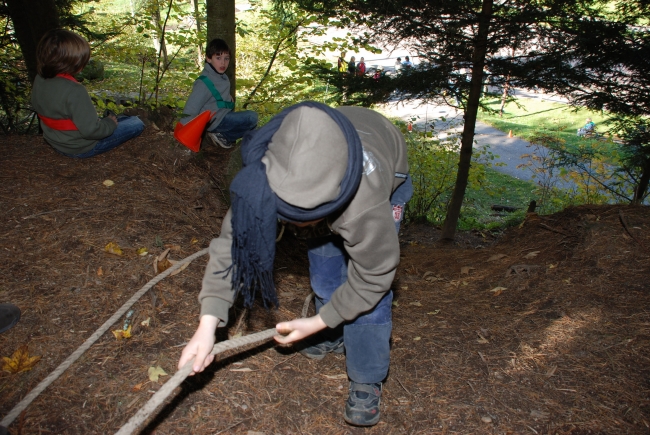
(305, 163)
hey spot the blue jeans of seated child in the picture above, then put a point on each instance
(367, 338)
(128, 127)
(235, 124)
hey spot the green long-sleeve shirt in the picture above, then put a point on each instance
(60, 98)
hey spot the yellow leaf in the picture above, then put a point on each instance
(496, 257)
(108, 183)
(416, 338)
(155, 373)
(552, 266)
(142, 251)
(395, 304)
(416, 303)
(405, 287)
(20, 361)
(121, 333)
(498, 290)
(433, 313)
(146, 322)
(194, 240)
(113, 248)
(531, 254)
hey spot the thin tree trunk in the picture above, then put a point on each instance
(478, 61)
(199, 48)
(642, 186)
(220, 22)
(504, 96)
(32, 19)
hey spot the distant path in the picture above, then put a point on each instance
(508, 149)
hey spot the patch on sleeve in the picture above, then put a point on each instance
(370, 163)
(397, 212)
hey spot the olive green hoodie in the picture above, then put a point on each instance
(60, 98)
(366, 224)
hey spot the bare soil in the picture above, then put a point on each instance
(541, 329)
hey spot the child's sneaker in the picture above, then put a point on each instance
(318, 351)
(220, 140)
(362, 406)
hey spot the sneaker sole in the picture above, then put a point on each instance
(372, 422)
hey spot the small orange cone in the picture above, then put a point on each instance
(510, 133)
(190, 133)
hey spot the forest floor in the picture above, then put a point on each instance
(541, 329)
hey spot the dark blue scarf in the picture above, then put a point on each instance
(256, 208)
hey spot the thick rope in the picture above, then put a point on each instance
(23, 404)
(166, 390)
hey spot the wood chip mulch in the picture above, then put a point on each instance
(543, 329)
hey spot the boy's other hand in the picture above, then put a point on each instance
(200, 345)
(298, 329)
(114, 118)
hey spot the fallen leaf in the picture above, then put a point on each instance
(194, 241)
(341, 376)
(146, 322)
(427, 273)
(416, 303)
(551, 371)
(395, 304)
(417, 338)
(174, 248)
(538, 414)
(552, 266)
(180, 269)
(433, 313)
(486, 419)
(496, 257)
(100, 271)
(498, 290)
(155, 373)
(245, 369)
(142, 251)
(113, 248)
(20, 361)
(108, 183)
(137, 387)
(531, 254)
(465, 270)
(121, 333)
(482, 340)
(405, 287)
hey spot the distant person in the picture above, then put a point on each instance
(398, 64)
(211, 91)
(342, 64)
(9, 316)
(352, 66)
(378, 72)
(407, 62)
(361, 67)
(68, 117)
(588, 129)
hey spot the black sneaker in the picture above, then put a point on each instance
(362, 406)
(220, 140)
(9, 316)
(318, 351)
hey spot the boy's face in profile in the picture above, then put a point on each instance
(219, 62)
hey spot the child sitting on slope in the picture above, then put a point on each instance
(68, 117)
(212, 92)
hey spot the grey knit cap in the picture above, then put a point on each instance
(307, 158)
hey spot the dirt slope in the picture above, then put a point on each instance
(543, 329)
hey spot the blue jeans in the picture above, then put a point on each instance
(128, 127)
(235, 124)
(367, 338)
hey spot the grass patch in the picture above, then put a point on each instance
(499, 189)
(529, 116)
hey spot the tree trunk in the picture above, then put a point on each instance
(504, 96)
(199, 48)
(159, 40)
(642, 186)
(478, 61)
(221, 24)
(31, 19)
